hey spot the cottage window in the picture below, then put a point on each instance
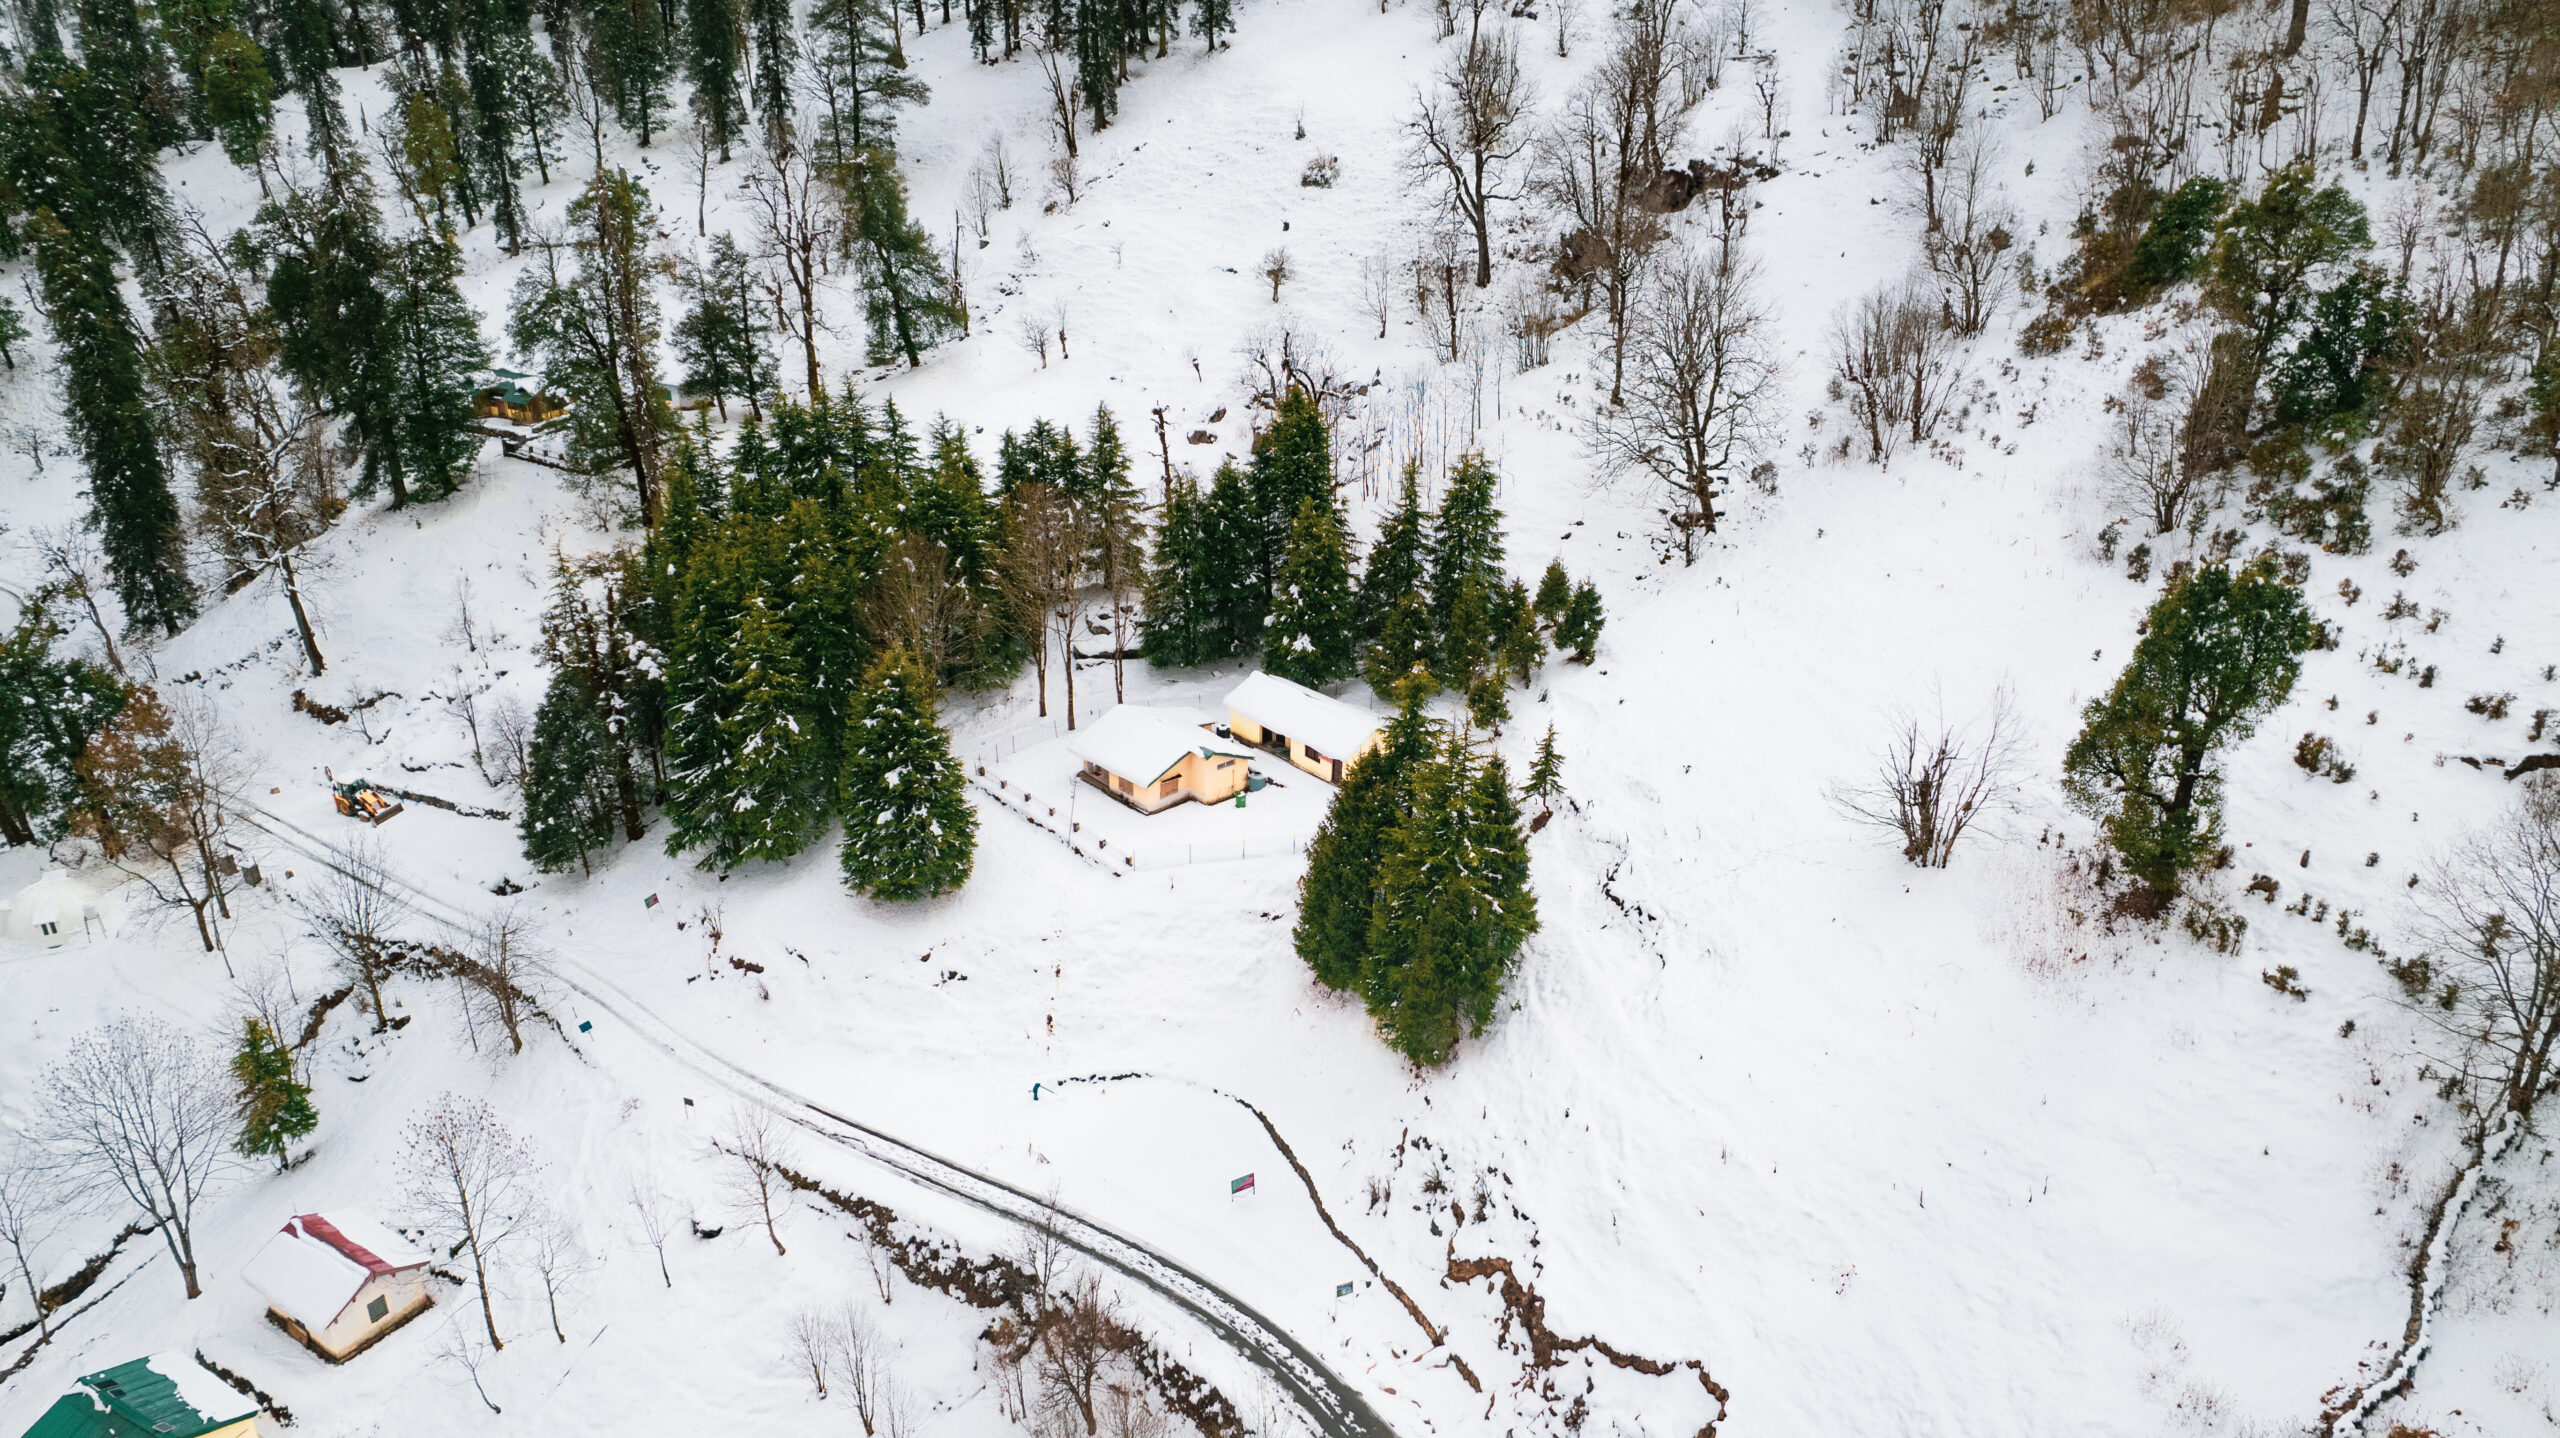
(46, 928)
(378, 1309)
(1123, 783)
(1167, 789)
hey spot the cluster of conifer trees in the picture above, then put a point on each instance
(1416, 896)
(1261, 561)
(770, 658)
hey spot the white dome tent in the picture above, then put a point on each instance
(52, 911)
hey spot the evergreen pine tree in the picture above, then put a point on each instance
(907, 294)
(909, 832)
(1181, 628)
(1232, 577)
(777, 58)
(1398, 562)
(324, 285)
(130, 505)
(1336, 897)
(13, 330)
(494, 37)
(1211, 19)
(569, 801)
(1519, 647)
(1579, 630)
(1453, 907)
(764, 793)
(306, 46)
(722, 340)
(1099, 46)
(274, 1109)
(713, 64)
(1546, 775)
(2220, 651)
(1466, 645)
(1292, 463)
(1488, 701)
(1403, 652)
(863, 75)
(434, 336)
(239, 97)
(1312, 635)
(50, 709)
(631, 61)
(1466, 539)
(1555, 594)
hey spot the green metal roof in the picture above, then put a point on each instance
(142, 1401)
(77, 1415)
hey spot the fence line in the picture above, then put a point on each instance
(1099, 852)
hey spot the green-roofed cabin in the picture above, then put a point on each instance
(508, 396)
(163, 1396)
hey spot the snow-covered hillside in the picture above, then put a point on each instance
(1868, 1148)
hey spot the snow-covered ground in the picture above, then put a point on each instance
(1884, 1150)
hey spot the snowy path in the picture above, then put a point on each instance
(1331, 1405)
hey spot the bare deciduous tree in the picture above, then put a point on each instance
(1894, 365)
(2163, 462)
(1378, 290)
(72, 563)
(1275, 268)
(1700, 374)
(1586, 171)
(139, 1109)
(472, 1179)
(1043, 569)
(656, 1216)
(503, 975)
(353, 908)
(1968, 250)
(757, 1148)
(1081, 1341)
(1467, 131)
(558, 1254)
(2489, 914)
(1935, 779)
(796, 232)
(858, 1362)
(30, 1205)
(812, 1336)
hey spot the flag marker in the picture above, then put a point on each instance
(1242, 1185)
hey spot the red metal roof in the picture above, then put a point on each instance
(313, 1225)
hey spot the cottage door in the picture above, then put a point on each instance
(1337, 771)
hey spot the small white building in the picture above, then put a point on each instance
(340, 1282)
(1316, 732)
(52, 911)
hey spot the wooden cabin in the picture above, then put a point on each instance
(340, 1282)
(168, 1395)
(1152, 761)
(1316, 732)
(509, 396)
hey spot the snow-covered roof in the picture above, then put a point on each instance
(1329, 725)
(1141, 744)
(316, 1263)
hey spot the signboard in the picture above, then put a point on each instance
(1241, 1185)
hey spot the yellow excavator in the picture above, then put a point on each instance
(358, 799)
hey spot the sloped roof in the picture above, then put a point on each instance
(167, 1395)
(315, 1264)
(1142, 744)
(1333, 727)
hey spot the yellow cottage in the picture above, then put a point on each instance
(1151, 761)
(1316, 732)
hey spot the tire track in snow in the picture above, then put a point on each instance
(1334, 1407)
